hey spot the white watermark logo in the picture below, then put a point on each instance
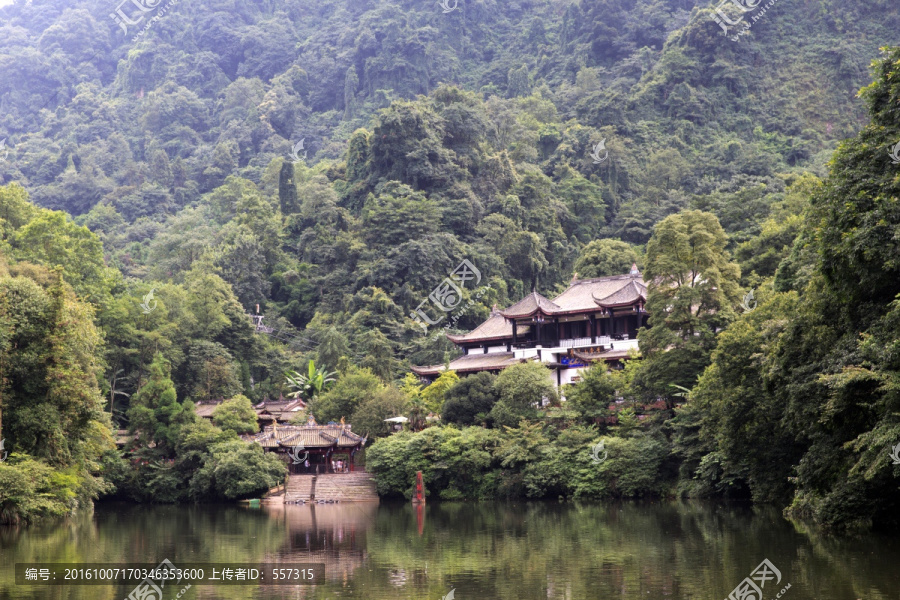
(751, 588)
(148, 588)
(445, 4)
(295, 151)
(4, 151)
(450, 595)
(143, 6)
(895, 455)
(135, 17)
(448, 296)
(595, 453)
(147, 309)
(746, 6)
(294, 453)
(3, 454)
(749, 302)
(894, 153)
(601, 147)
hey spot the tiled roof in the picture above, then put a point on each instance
(279, 405)
(473, 362)
(530, 305)
(282, 410)
(311, 436)
(123, 437)
(205, 409)
(582, 294)
(497, 327)
(633, 291)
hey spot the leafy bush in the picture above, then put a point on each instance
(236, 415)
(31, 490)
(235, 470)
(470, 400)
(632, 469)
(522, 388)
(476, 463)
(344, 397)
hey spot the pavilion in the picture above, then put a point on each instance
(317, 445)
(592, 320)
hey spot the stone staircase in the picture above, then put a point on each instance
(343, 487)
(300, 489)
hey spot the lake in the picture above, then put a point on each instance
(516, 551)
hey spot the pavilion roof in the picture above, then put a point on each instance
(581, 294)
(280, 405)
(497, 327)
(473, 362)
(205, 409)
(529, 306)
(628, 294)
(310, 436)
(282, 410)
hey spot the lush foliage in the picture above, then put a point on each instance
(237, 470)
(193, 204)
(470, 401)
(31, 489)
(236, 415)
(310, 385)
(602, 258)
(525, 461)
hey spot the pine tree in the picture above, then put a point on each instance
(156, 415)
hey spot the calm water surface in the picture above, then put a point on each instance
(515, 551)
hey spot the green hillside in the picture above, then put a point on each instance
(331, 162)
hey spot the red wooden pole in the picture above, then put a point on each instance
(420, 517)
(419, 498)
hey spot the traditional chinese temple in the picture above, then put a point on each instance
(311, 448)
(593, 320)
(278, 411)
(283, 410)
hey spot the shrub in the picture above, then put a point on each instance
(235, 470)
(31, 490)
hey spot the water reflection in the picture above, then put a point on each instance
(521, 551)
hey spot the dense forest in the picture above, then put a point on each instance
(327, 163)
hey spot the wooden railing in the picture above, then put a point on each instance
(602, 340)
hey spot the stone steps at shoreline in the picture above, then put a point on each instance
(339, 487)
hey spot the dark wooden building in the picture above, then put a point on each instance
(311, 448)
(592, 320)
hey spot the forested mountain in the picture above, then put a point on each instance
(137, 134)
(333, 161)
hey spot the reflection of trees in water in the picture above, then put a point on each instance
(521, 551)
(864, 566)
(627, 550)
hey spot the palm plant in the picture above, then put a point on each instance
(310, 385)
(418, 410)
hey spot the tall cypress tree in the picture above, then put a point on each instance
(156, 415)
(287, 191)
